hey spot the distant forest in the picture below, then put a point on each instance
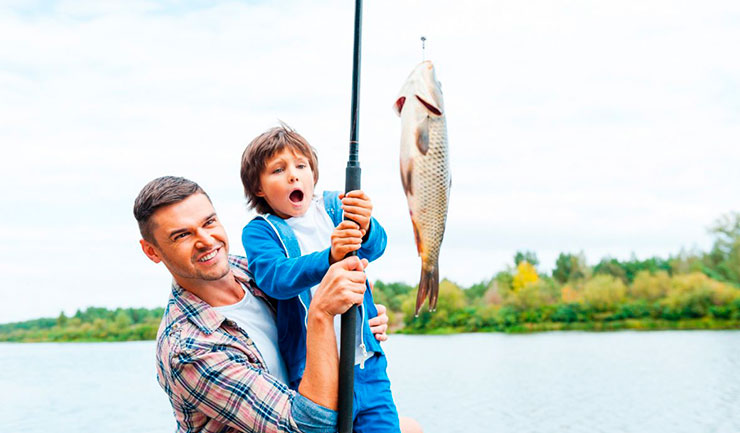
(690, 290)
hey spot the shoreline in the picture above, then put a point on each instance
(525, 328)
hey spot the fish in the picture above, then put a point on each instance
(425, 171)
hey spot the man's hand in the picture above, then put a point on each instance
(379, 323)
(357, 207)
(345, 238)
(342, 286)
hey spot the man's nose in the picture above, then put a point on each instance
(203, 238)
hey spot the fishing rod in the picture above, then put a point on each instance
(351, 183)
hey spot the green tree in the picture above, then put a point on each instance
(610, 266)
(723, 261)
(528, 256)
(570, 267)
(62, 320)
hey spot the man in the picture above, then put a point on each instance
(220, 373)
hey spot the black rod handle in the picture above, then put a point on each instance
(352, 182)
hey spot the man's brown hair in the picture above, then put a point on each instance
(160, 192)
(261, 149)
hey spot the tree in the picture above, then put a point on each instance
(610, 266)
(723, 261)
(525, 274)
(62, 320)
(603, 292)
(570, 267)
(528, 256)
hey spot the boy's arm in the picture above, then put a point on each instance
(374, 242)
(278, 276)
(358, 207)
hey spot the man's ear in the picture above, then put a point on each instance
(150, 250)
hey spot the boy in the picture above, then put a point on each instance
(291, 245)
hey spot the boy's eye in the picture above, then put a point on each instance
(301, 165)
(277, 170)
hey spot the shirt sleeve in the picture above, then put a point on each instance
(276, 275)
(373, 246)
(225, 386)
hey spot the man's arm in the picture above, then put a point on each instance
(342, 287)
(225, 384)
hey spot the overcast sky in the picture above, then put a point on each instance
(610, 128)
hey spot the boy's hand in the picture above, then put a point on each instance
(345, 238)
(379, 323)
(357, 207)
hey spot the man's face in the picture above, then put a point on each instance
(190, 241)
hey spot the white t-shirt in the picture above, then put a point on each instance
(255, 318)
(313, 231)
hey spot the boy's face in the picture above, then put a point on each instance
(286, 183)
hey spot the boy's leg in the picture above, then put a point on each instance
(374, 408)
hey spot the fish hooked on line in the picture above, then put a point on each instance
(425, 171)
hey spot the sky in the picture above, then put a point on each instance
(608, 128)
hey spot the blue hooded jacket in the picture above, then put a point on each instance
(275, 259)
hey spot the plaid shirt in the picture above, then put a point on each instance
(216, 378)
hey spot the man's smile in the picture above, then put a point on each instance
(210, 255)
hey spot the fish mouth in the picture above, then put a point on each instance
(296, 196)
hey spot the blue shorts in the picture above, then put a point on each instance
(374, 410)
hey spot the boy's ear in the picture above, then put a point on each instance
(259, 192)
(150, 250)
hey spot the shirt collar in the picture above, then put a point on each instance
(203, 315)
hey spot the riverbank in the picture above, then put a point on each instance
(616, 325)
(148, 331)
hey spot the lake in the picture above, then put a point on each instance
(671, 381)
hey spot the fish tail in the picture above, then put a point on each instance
(428, 286)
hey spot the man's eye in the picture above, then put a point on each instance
(210, 221)
(180, 236)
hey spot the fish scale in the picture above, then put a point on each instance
(425, 172)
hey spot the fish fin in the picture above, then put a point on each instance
(398, 105)
(422, 136)
(434, 289)
(406, 177)
(428, 286)
(431, 106)
(417, 238)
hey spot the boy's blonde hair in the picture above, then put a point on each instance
(264, 147)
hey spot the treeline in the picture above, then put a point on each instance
(692, 290)
(92, 324)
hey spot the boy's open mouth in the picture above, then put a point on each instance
(296, 196)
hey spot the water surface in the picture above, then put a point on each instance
(631, 382)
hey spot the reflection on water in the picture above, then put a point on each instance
(554, 382)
